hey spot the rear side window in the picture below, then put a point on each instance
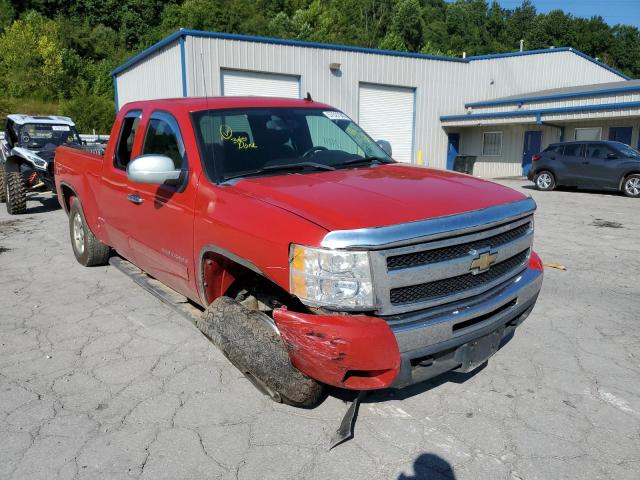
(125, 141)
(163, 138)
(573, 150)
(553, 149)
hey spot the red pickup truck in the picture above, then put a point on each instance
(315, 257)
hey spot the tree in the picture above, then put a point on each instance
(32, 60)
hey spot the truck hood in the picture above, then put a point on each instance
(376, 196)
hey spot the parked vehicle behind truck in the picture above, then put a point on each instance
(316, 259)
(27, 153)
(595, 164)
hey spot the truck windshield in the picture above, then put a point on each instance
(45, 135)
(265, 141)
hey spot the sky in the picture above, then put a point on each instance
(613, 11)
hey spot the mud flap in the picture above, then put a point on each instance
(345, 430)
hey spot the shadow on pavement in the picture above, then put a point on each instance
(430, 466)
(378, 396)
(593, 191)
(47, 204)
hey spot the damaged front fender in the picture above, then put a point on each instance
(357, 352)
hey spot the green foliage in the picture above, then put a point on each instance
(56, 55)
(91, 112)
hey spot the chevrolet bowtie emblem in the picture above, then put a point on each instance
(482, 262)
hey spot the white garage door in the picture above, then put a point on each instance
(240, 83)
(386, 113)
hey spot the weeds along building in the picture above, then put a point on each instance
(501, 108)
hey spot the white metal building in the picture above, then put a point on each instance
(419, 103)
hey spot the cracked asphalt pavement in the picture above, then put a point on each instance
(99, 379)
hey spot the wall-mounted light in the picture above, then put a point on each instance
(334, 67)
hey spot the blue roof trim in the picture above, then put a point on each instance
(554, 96)
(539, 113)
(345, 48)
(149, 51)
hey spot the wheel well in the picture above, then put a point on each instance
(67, 194)
(222, 276)
(12, 164)
(625, 176)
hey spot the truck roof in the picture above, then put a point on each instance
(191, 104)
(21, 119)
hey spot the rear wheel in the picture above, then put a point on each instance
(15, 193)
(89, 251)
(545, 181)
(631, 186)
(249, 339)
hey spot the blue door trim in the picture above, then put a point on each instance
(532, 145)
(453, 148)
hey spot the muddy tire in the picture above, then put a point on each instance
(251, 343)
(15, 193)
(3, 192)
(89, 251)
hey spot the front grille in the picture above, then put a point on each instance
(451, 286)
(455, 251)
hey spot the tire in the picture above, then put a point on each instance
(631, 186)
(3, 192)
(15, 193)
(252, 345)
(545, 181)
(89, 251)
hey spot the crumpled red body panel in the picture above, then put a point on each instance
(349, 351)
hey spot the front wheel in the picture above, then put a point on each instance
(15, 192)
(249, 339)
(545, 181)
(631, 186)
(89, 251)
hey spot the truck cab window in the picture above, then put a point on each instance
(163, 138)
(125, 142)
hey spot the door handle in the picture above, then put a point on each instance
(135, 198)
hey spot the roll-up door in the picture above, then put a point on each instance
(240, 83)
(387, 113)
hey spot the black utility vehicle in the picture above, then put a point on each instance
(597, 164)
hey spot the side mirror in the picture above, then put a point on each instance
(385, 145)
(153, 169)
(611, 156)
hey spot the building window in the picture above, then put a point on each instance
(492, 144)
(594, 133)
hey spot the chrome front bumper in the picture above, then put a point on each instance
(462, 336)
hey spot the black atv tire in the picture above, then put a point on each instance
(89, 251)
(252, 345)
(3, 192)
(15, 192)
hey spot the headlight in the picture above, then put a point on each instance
(37, 161)
(331, 278)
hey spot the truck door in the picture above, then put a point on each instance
(115, 208)
(161, 233)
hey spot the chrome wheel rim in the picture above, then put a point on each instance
(632, 186)
(78, 233)
(544, 181)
